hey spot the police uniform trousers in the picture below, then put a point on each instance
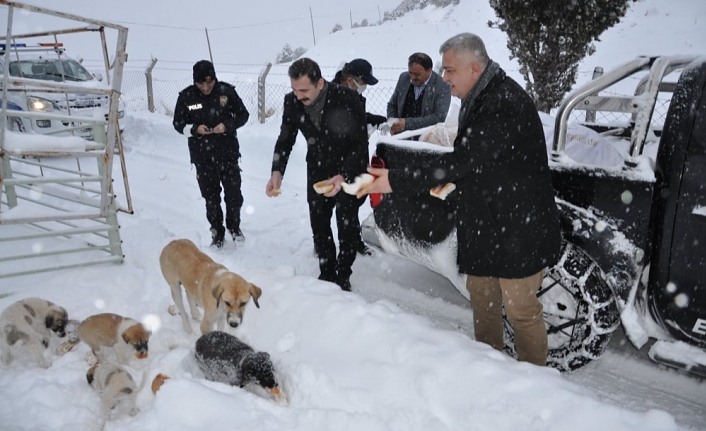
(211, 176)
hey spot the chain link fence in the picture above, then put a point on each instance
(166, 91)
(245, 79)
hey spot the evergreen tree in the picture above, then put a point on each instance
(337, 27)
(550, 37)
(288, 54)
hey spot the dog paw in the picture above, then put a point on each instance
(173, 310)
(66, 347)
(91, 359)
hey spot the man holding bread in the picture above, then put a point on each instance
(332, 119)
(507, 222)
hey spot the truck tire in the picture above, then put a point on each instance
(580, 311)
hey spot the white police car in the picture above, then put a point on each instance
(49, 62)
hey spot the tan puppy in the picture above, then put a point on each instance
(122, 334)
(115, 385)
(30, 323)
(222, 294)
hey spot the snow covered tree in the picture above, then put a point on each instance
(337, 27)
(550, 37)
(410, 5)
(288, 54)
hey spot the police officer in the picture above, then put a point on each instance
(215, 111)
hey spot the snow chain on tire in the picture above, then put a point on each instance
(580, 311)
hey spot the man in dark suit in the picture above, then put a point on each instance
(332, 119)
(508, 224)
(421, 98)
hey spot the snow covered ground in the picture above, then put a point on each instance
(395, 354)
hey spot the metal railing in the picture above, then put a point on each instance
(56, 211)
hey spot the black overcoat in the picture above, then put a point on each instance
(340, 146)
(508, 223)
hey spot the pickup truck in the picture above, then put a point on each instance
(634, 232)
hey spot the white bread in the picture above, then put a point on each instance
(442, 191)
(360, 182)
(322, 187)
(276, 192)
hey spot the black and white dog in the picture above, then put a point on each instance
(224, 358)
(29, 324)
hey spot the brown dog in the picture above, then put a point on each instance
(109, 330)
(222, 294)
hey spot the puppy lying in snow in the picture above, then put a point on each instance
(224, 358)
(115, 386)
(28, 324)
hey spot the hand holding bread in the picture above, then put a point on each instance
(360, 182)
(323, 187)
(442, 192)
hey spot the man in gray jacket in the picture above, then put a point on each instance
(421, 97)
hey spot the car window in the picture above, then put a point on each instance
(50, 70)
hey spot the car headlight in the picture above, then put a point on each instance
(39, 104)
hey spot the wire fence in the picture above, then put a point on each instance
(245, 79)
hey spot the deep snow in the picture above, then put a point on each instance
(384, 357)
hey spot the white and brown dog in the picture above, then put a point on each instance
(122, 334)
(222, 294)
(29, 323)
(115, 386)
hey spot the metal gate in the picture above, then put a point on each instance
(58, 208)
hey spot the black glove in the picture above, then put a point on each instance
(373, 119)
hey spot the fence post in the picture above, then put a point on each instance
(261, 92)
(591, 115)
(150, 94)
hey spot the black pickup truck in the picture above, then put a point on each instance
(634, 234)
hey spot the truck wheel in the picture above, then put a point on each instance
(580, 311)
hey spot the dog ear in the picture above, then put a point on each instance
(49, 321)
(255, 292)
(217, 293)
(125, 337)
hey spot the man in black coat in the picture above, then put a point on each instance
(357, 75)
(332, 119)
(508, 225)
(215, 111)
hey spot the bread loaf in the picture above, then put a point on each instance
(442, 191)
(323, 187)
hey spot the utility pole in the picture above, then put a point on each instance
(379, 16)
(350, 14)
(312, 25)
(208, 41)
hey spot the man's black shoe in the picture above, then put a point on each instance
(217, 239)
(327, 277)
(237, 235)
(345, 285)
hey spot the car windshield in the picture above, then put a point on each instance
(50, 70)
